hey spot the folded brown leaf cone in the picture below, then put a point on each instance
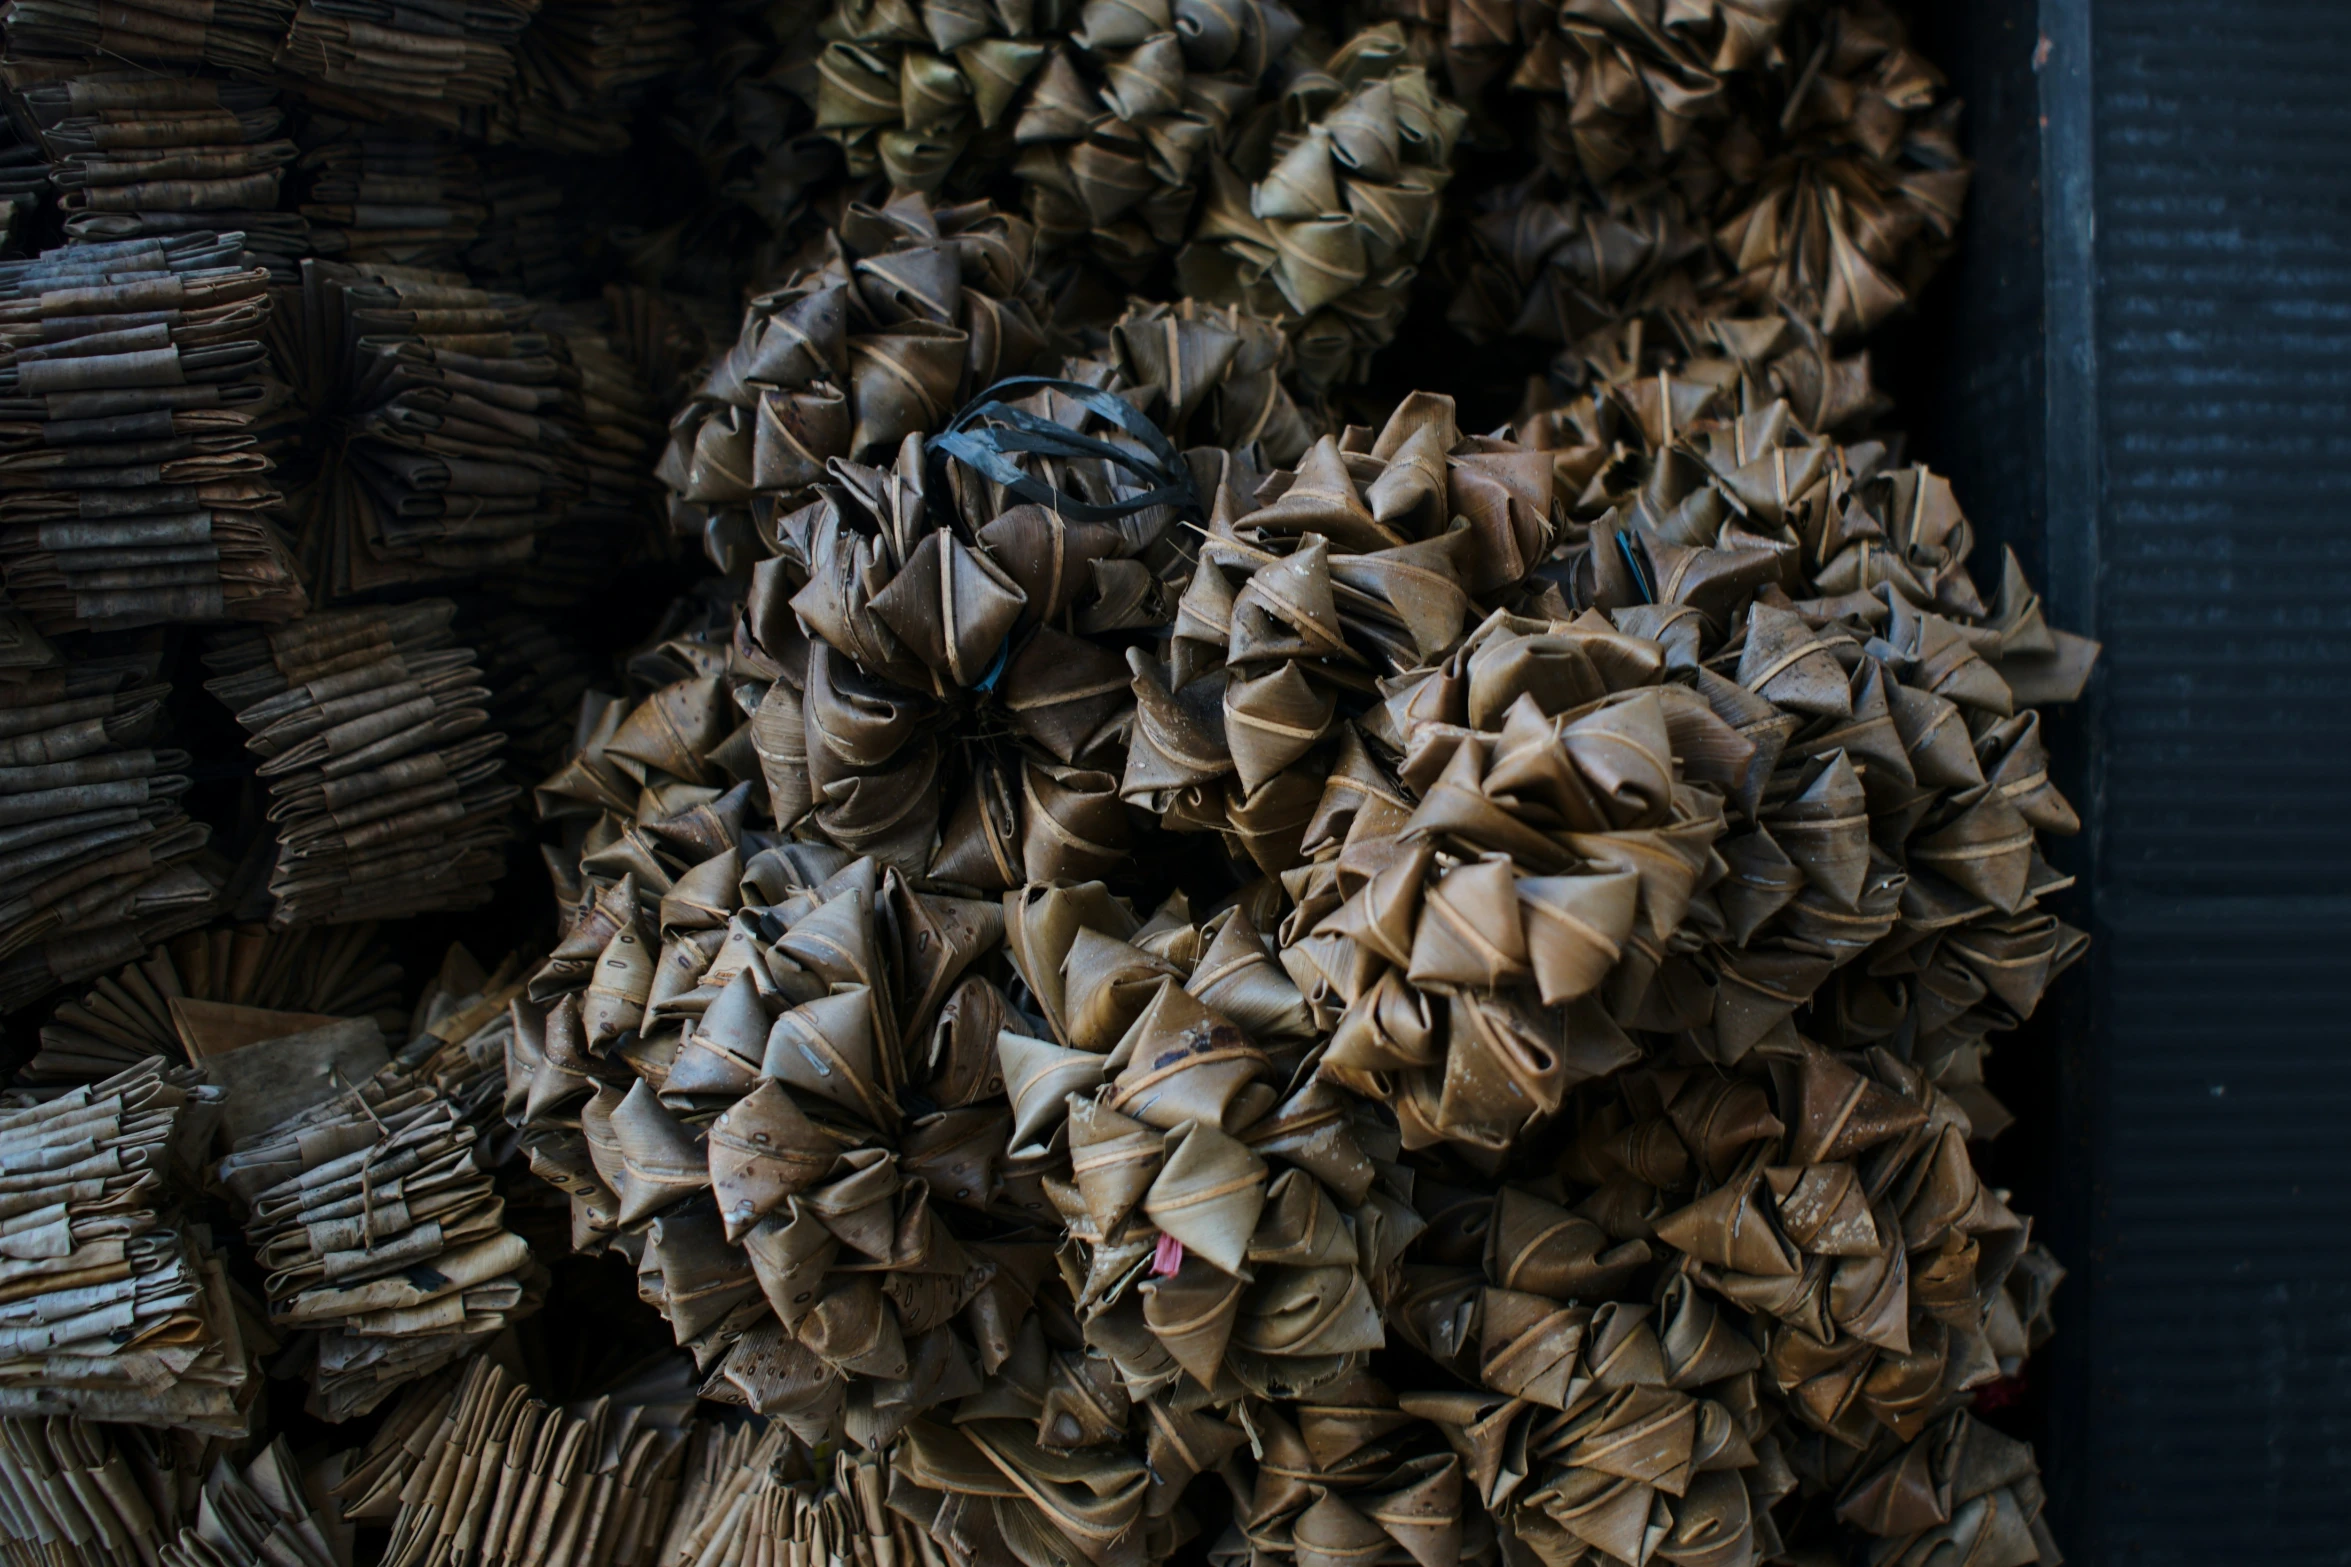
(1323, 236)
(1743, 155)
(1876, 675)
(764, 1067)
(1752, 1233)
(1674, 732)
(912, 308)
(1117, 121)
(1212, 372)
(1208, 1194)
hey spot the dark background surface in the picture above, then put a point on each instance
(2138, 374)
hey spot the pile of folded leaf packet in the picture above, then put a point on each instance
(131, 489)
(1163, 936)
(98, 856)
(148, 154)
(382, 773)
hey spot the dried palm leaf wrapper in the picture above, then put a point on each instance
(911, 310)
(1344, 1473)
(740, 120)
(1312, 583)
(97, 850)
(904, 91)
(1233, 1231)
(1108, 114)
(967, 1490)
(1323, 227)
(111, 1496)
(1830, 390)
(764, 1072)
(1212, 375)
(471, 1466)
(678, 743)
(1622, 93)
(963, 593)
(122, 1312)
(1857, 200)
(461, 425)
(1802, 1236)
(235, 35)
(1883, 838)
(243, 979)
(1798, 158)
(1605, 1397)
(145, 155)
(132, 490)
(1125, 119)
(583, 66)
(1490, 950)
(669, 789)
(1960, 1486)
(1536, 264)
(384, 779)
(376, 51)
(1721, 773)
(375, 1221)
(937, 588)
(375, 194)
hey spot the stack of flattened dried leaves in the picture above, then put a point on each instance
(606, 428)
(131, 487)
(118, 1308)
(583, 66)
(463, 431)
(94, 848)
(146, 154)
(384, 780)
(76, 1491)
(234, 35)
(447, 452)
(376, 1221)
(470, 1467)
(410, 64)
(259, 983)
(377, 195)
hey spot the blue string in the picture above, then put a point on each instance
(987, 428)
(1632, 560)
